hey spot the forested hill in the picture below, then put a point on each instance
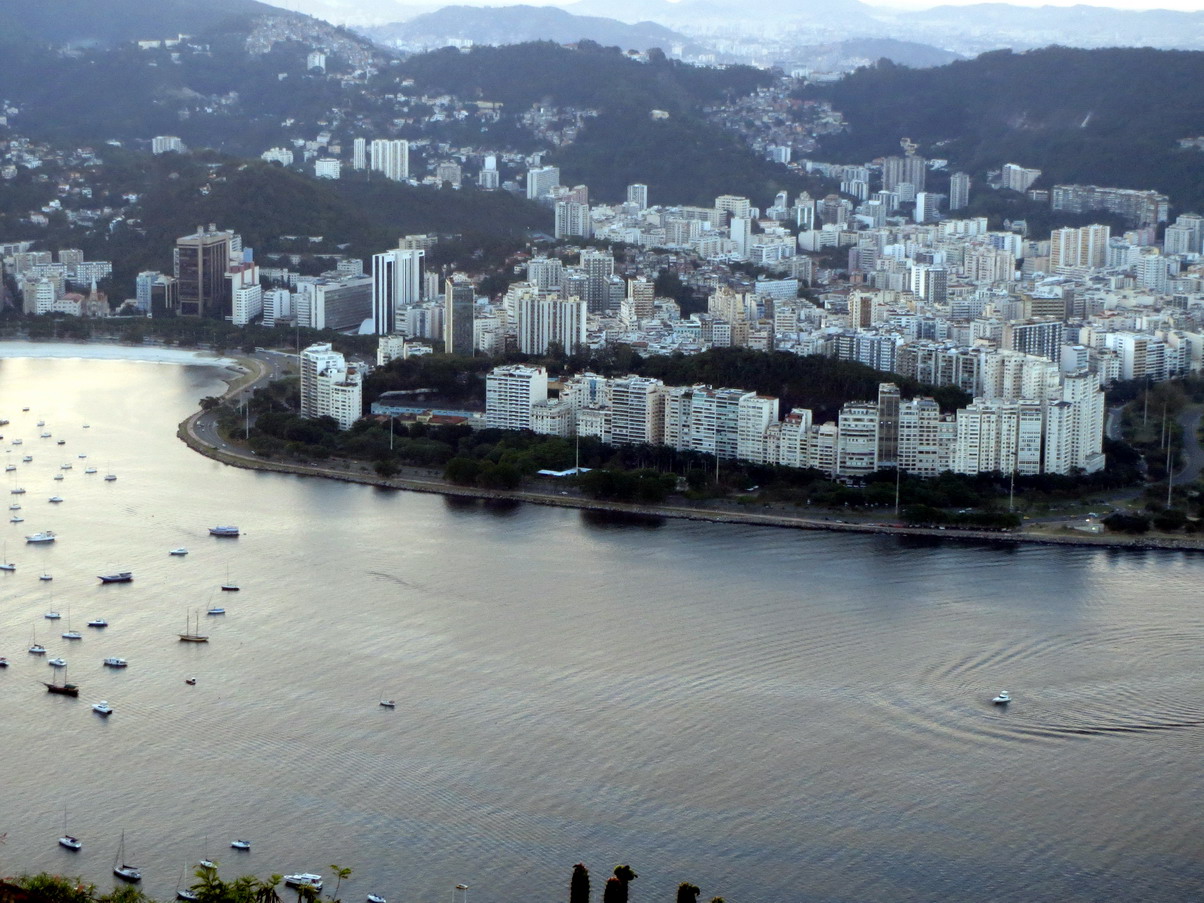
(107, 22)
(1109, 117)
(589, 76)
(680, 156)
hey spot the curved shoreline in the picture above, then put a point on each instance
(247, 371)
(187, 433)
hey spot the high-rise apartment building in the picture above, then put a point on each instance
(391, 157)
(598, 267)
(359, 153)
(637, 195)
(959, 191)
(909, 170)
(541, 180)
(1139, 208)
(1085, 247)
(510, 393)
(329, 388)
(572, 220)
(542, 318)
(1016, 178)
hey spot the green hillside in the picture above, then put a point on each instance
(1109, 117)
(106, 22)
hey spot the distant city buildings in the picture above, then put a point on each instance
(391, 158)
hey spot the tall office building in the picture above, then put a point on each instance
(459, 299)
(959, 191)
(396, 283)
(200, 261)
(391, 156)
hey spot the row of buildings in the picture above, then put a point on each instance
(1059, 434)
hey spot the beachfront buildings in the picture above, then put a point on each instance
(1060, 431)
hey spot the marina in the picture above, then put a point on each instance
(576, 687)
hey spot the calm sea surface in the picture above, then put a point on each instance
(772, 715)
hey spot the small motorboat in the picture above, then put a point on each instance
(41, 423)
(376, 898)
(10, 468)
(388, 703)
(185, 894)
(1002, 699)
(123, 577)
(110, 477)
(26, 459)
(58, 476)
(7, 566)
(62, 442)
(71, 843)
(44, 536)
(304, 879)
(191, 681)
(87, 426)
(98, 622)
(240, 844)
(216, 610)
(206, 863)
(180, 551)
(45, 434)
(57, 662)
(3, 662)
(52, 616)
(115, 662)
(89, 470)
(55, 499)
(102, 708)
(66, 466)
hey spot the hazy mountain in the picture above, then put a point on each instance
(1000, 24)
(846, 55)
(90, 22)
(517, 24)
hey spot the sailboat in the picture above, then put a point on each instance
(122, 869)
(182, 893)
(228, 586)
(71, 843)
(193, 635)
(387, 703)
(70, 633)
(5, 564)
(35, 648)
(63, 689)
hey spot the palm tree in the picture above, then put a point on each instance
(340, 873)
(579, 885)
(687, 893)
(266, 891)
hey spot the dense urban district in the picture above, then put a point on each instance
(634, 277)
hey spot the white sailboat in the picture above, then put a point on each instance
(71, 843)
(123, 869)
(229, 586)
(70, 633)
(5, 564)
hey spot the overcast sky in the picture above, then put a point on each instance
(355, 11)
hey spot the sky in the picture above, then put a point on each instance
(348, 9)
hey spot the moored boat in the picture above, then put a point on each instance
(115, 662)
(122, 577)
(71, 843)
(102, 708)
(304, 879)
(180, 551)
(44, 536)
(241, 844)
(98, 622)
(1002, 699)
(223, 531)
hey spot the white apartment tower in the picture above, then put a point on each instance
(391, 157)
(329, 388)
(510, 393)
